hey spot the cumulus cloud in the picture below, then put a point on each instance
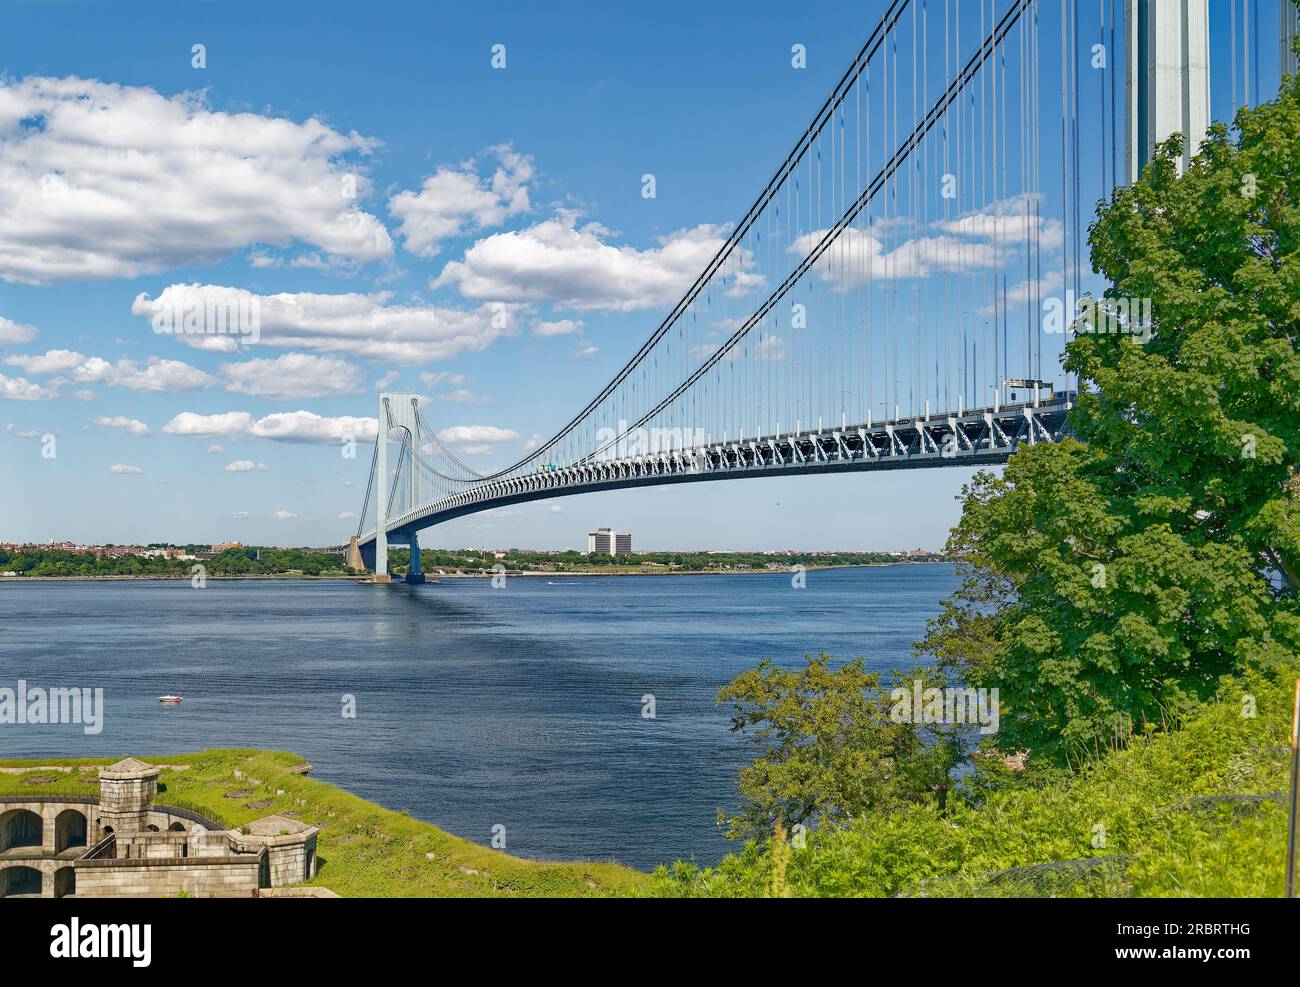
(476, 440)
(216, 449)
(22, 389)
(559, 327)
(232, 423)
(455, 200)
(293, 375)
(285, 516)
(365, 325)
(477, 433)
(556, 261)
(132, 425)
(123, 468)
(386, 381)
(463, 395)
(240, 515)
(104, 181)
(155, 375)
(291, 426)
(15, 332)
(49, 362)
(244, 466)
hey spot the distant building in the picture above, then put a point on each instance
(226, 545)
(604, 541)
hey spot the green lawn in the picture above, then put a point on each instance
(364, 849)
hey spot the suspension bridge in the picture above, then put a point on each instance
(880, 304)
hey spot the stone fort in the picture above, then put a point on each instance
(124, 845)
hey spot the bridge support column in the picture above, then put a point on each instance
(381, 498)
(1290, 28)
(415, 574)
(1167, 79)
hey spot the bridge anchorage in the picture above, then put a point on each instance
(879, 305)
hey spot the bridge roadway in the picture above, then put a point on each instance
(976, 437)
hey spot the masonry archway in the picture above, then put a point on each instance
(65, 882)
(20, 827)
(19, 880)
(69, 830)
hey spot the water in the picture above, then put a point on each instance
(475, 706)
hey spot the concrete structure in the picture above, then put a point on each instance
(399, 411)
(604, 541)
(1289, 29)
(1167, 78)
(123, 844)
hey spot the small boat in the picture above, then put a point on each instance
(170, 700)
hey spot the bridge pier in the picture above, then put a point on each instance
(415, 574)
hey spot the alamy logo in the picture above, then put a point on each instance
(1115, 316)
(954, 705)
(195, 313)
(633, 442)
(75, 941)
(36, 705)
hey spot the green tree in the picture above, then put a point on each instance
(831, 750)
(1110, 582)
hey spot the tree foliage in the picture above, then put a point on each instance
(1110, 582)
(831, 750)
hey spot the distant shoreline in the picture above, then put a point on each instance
(431, 577)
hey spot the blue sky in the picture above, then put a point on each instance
(132, 172)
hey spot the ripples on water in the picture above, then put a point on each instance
(475, 706)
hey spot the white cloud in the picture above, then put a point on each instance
(244, 466)
(216, 449)
(586, 351)
(289, 426)
(285, 516)
(117, 181)
(124, 469)
(1008, 222)
(560, 327)
(346, 516)
(304, 426)
(441, 377)
(554, 261)
(132, 425)
(386, 381)
(293, 375)
(15, 332)
(455, 200)
(22, 389)
(156, 375)
(464, 396)
(22, 433)
(360, 324)
(458, 434)
(49, 362)
(240, 515)
(232, 423)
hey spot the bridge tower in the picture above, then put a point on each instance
(1290, 28)
(1167, 77)
(396, 411)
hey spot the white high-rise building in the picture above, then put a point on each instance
(604, 541)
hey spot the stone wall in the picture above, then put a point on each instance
(229, 877)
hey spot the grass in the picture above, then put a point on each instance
(364, 849)
(1196, 812)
